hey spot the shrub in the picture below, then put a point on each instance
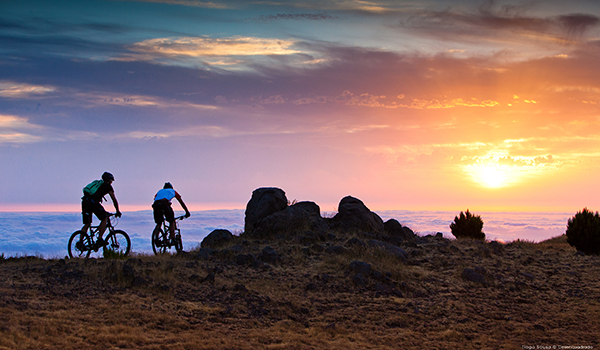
(467, 226)
(583, 232)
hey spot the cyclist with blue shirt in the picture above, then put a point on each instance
(163, 210)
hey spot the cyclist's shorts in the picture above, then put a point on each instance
(163, 210)
(89, 207)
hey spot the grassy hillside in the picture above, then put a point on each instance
(447, 294)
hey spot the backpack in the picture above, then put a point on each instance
(92, 187)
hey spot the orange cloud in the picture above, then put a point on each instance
(11, 89)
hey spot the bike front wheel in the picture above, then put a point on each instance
(80, 245)
(118, 243)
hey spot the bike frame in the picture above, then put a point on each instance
(167, 226)
(162, 242)
(94, 230)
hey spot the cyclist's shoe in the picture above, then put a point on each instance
(101, 243)
(79, 246)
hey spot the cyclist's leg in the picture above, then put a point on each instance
(172, 227)
(170, 217)
(86, 214)
(158, 216)
(103, 217)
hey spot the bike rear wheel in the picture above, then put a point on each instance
(80, 245)
(118, 243)
(161, 243)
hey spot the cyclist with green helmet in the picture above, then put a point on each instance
(91, 204)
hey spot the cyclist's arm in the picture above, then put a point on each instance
(187, 212)
(116, 204)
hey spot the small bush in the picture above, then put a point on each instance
(467, 226)
(583, 232)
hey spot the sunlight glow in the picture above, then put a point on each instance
(491, 175)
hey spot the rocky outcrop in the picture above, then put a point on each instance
(267, 216)
(264, 202)
(353, 214)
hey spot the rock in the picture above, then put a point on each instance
(216, 239)
(238, 248)
(310, 207)
(390, 248)
(496, 247)
(528, 276)
(359, 280)
(354, 215)
(210, 278)
(360, 267)
(269, 255)
(128, 272)
(203, 253)
(244, 259)
(264, 202)
(355, 242)
(309, 237)
(317, 248)
(336, 249)
(289, 220)
(240, 288)
(382, 287)
(394, 229)
(472, 276)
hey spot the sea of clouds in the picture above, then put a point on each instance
(47, 234)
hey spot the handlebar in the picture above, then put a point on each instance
(181, 217)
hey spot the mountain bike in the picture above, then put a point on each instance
(161, 240)
(82, 244)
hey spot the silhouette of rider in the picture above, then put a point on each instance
(92, 204)
(163, 210)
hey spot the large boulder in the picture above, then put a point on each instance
(264, 202)
(268, 214)
(216, 238)
(353, 214)
(311, 207)
(290, 219)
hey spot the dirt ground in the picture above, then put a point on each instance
(327, 295)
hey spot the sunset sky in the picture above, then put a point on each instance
(486, 105)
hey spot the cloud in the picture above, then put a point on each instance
(11, 89)
(220, 47)
(295, 16)
(191, 3)
(114, 99)
(14, 129)
(225, 54)
(501, 24)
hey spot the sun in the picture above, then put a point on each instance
(491, 175)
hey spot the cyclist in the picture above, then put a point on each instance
(163, 210)
(92, 204)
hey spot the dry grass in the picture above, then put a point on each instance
(535, 294)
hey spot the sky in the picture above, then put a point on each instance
(428, 105)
